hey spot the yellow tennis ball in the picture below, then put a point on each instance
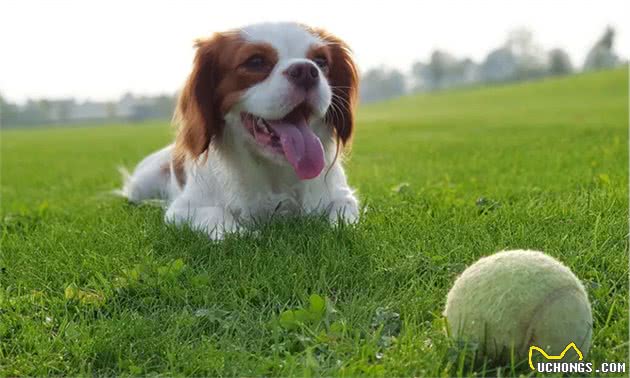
(509, 301)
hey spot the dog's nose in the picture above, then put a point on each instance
(304, 75)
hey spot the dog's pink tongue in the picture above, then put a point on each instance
(301, 146)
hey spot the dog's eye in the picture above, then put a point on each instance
(256, 63)
(321, 62)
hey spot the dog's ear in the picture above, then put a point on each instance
(197, 114)
(343, 77)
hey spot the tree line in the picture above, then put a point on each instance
(128, 108)
(519, 58)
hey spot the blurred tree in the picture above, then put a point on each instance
(442, 71)
(559, 62)
(111, 109)
(141, 112)
(602, 56)
(531, 59)
(64, 110)
(45, 108)
(419, 71)
(519, 58)
(499, 65)
(46, 111)
(34, 112)
(380, 84)
(8, 112)
(441, 66)
(164, 105)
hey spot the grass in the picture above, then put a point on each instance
(90, 285)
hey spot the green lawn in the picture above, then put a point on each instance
(90, 285)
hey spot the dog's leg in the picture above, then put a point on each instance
(151, 179)
(344, 210)
(340, 204)
(212, 220)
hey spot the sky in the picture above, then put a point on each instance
(99, 50)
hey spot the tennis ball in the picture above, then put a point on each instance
(509, 301)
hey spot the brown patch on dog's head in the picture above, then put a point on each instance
(224, 66)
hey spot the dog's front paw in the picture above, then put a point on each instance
(344, 211)
(213, 221)
(218, 231)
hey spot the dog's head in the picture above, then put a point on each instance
(282, 89)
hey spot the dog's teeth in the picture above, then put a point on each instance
(267, 127)
(263, 126)
(260, 125)
(257, 125)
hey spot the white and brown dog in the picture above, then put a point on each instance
(261, 122)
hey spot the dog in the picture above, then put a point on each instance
(262, 122)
